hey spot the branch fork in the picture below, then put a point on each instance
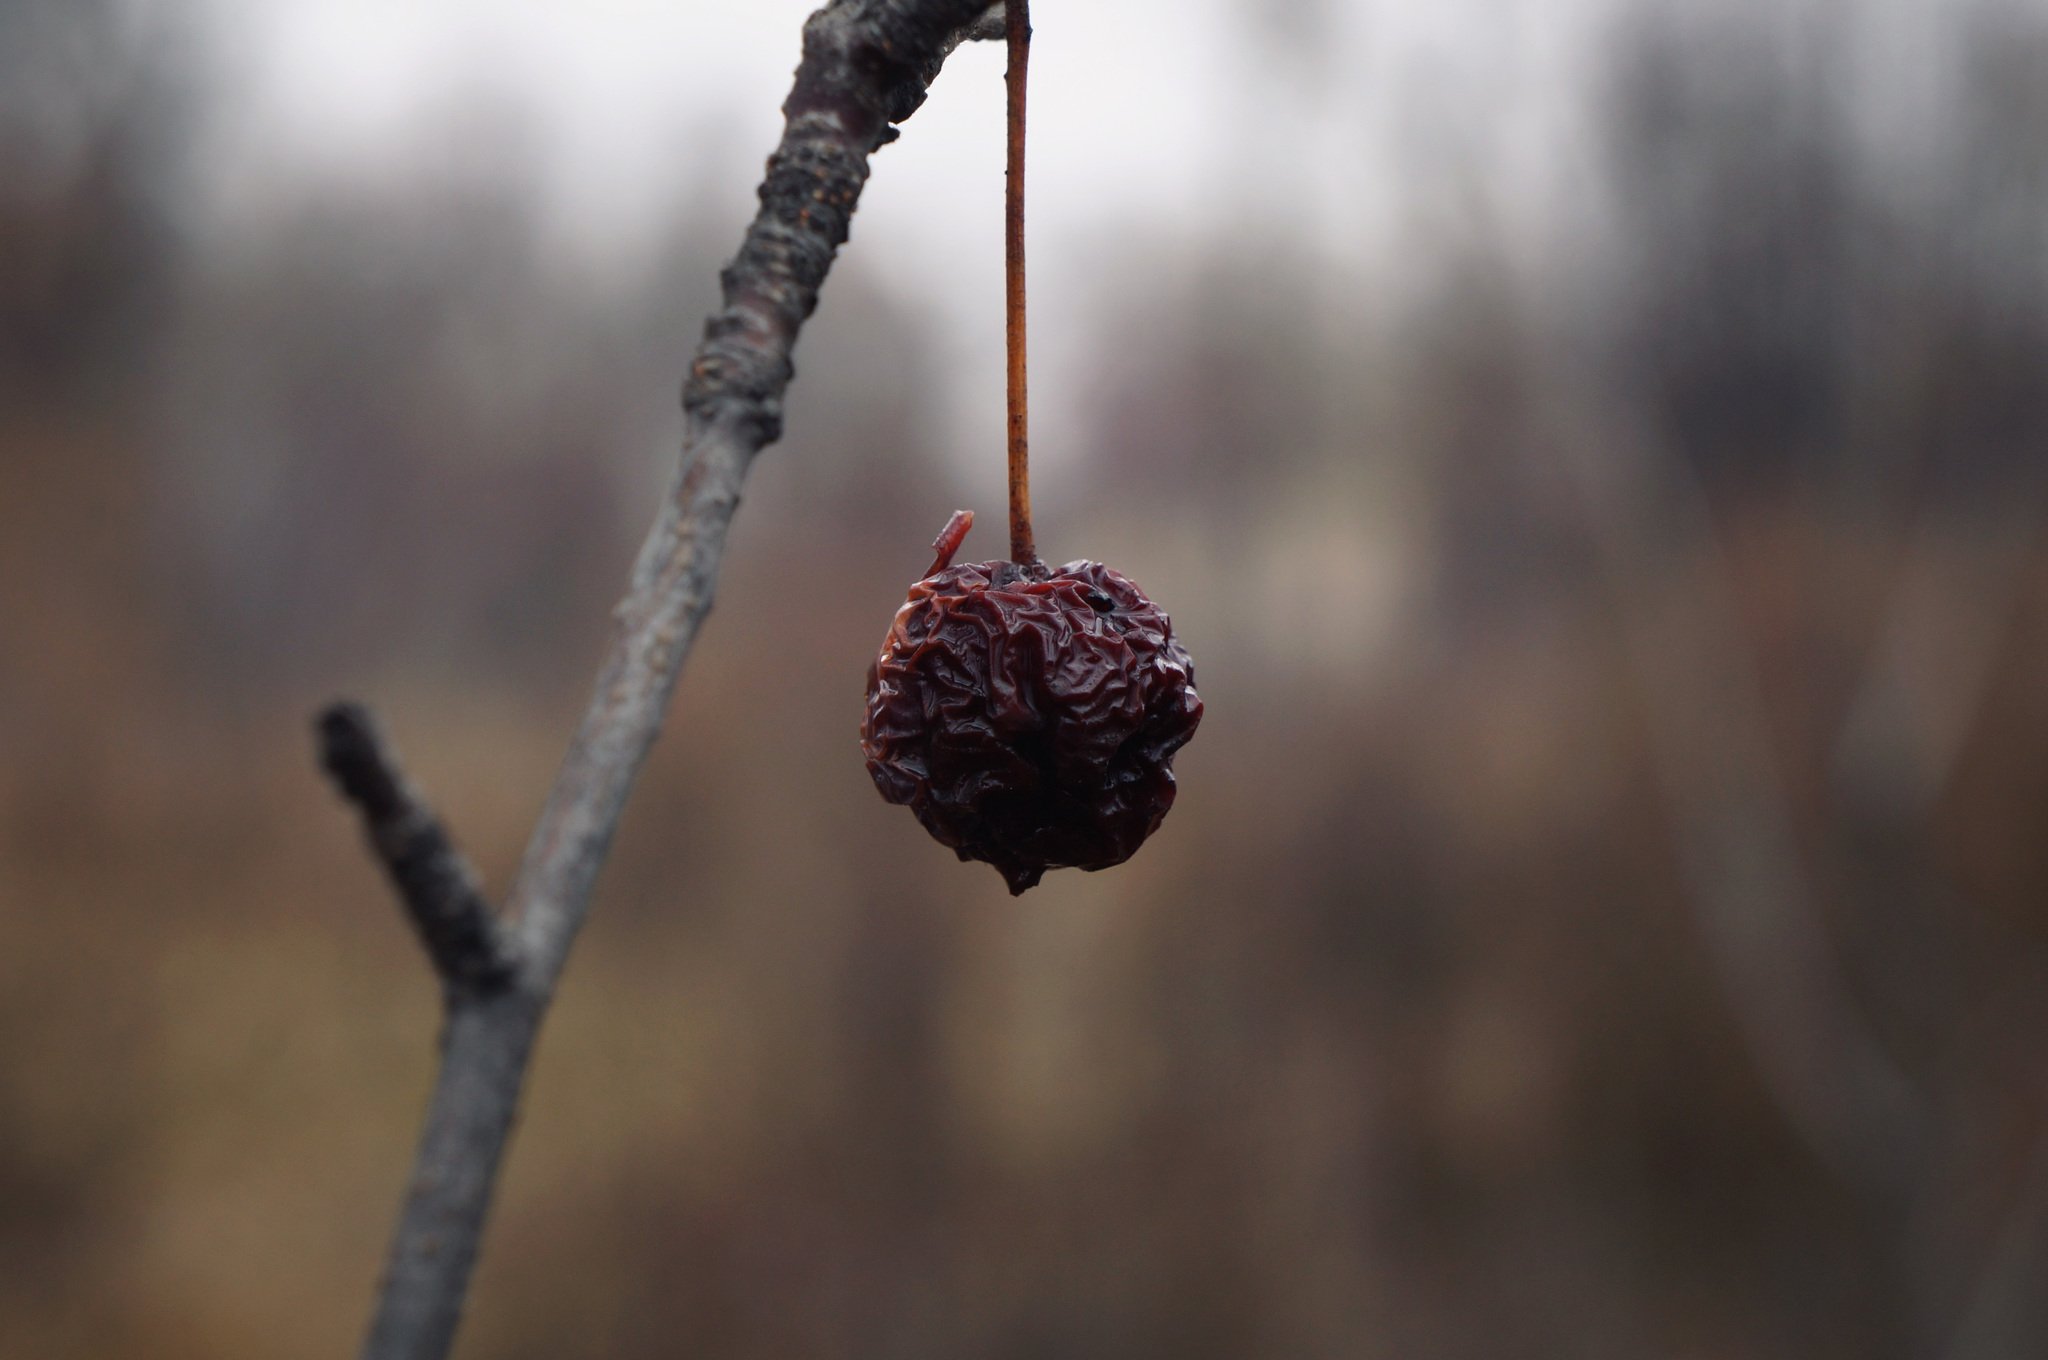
(866, 67)
(470, 951)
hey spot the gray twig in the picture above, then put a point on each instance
(866, 66)
(992, 26)
(434, 881)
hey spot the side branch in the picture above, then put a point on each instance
(437, 885)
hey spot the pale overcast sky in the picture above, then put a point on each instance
(1192, 117)
(1180, 112)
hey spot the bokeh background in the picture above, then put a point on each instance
(1595, 450)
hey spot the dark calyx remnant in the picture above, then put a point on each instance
(1027, 716)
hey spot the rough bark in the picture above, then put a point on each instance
(439, 889)
(866, 66)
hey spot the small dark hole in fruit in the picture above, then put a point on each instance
(1100, 602)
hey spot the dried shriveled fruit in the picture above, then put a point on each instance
(1029, 717)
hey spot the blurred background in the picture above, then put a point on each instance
(1595, 451)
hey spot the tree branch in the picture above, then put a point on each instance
(866, 66)
(434, 881)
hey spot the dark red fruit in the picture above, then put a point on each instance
(1028, 716)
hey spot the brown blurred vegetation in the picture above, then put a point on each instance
(1606, 910)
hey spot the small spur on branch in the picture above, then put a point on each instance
(434, 882)
(866, 67)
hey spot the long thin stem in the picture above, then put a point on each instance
(1017, 27)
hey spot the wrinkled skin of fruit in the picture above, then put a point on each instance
(1029, 717)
